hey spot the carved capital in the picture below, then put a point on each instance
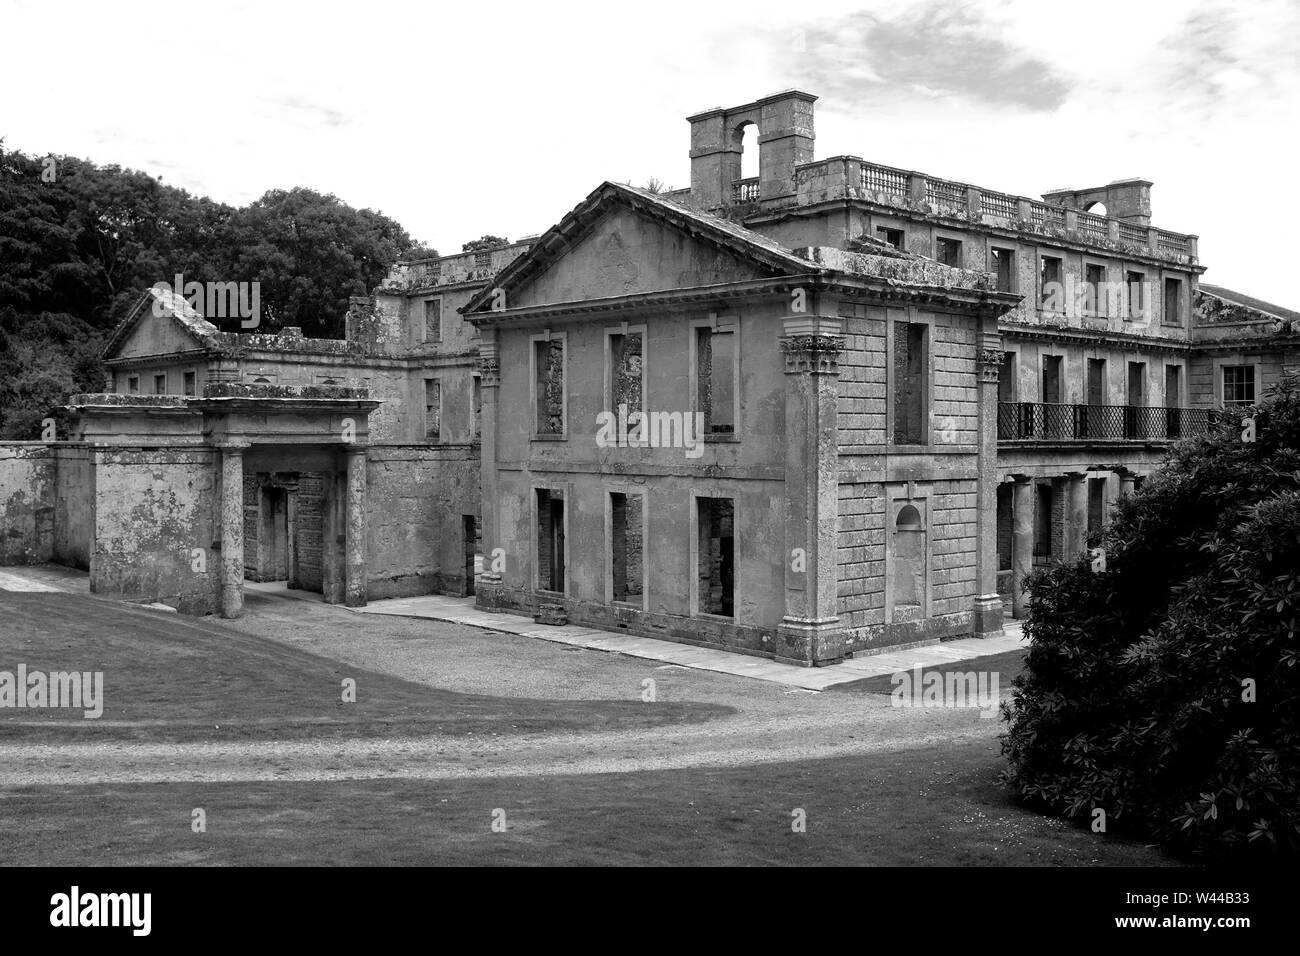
(489, 370)
(989, 362)
(815, 354)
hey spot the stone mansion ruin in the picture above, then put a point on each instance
(904, 391)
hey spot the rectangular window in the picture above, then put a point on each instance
(550, 540)
(1042, 522)
(716, 359)
(432, 409)
(948, 251)
(189, 383)
(1096, 384)
(892, 236)
(910, 367)
(624, 359)
(1135, 283)
(160, 384)
(1052, 379)
(1007, 378)
(1173, 303)
(477, 423)
(1173, 385)
(1094, 287)
(1135, 423)
(1051, 293)
(548, 386)
(1003, 263)
(433, 320)
(625, 544)
(716, 556)
(133, 384)
(1238, 385)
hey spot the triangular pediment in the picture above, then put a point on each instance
(160, 323)
(623, 241)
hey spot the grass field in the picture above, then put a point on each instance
(938, 806)
(168, 678)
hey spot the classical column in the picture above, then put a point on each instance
(355, 536)
(1076, 514)
(487, 589)
(332, 537)
(232, 531)
(810, 631)
(987, 618)
(1022, 538)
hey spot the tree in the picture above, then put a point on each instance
(484, 243)
(1164, 690)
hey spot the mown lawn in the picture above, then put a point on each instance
(937, 806)
(171, 678)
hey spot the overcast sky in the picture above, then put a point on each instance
(459, 119)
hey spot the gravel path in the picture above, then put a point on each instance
(770, 723)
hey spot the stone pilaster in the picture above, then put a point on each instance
(355, 536)
(487, 587)
(232, 531)
(810, 631)
(1022, 538)
(1076, 515)
(986, 620)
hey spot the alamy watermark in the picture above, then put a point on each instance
(637, 429)
(216, 300)
(76, 690)
(919, 688)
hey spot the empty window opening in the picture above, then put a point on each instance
(909, 383)
(1173, 303)
(1096, 383)
(1238, 385)
(1094, 289)
(432, 409)
(892, 236)
(625, 546)
(1134, 284)
(189, 383)
(1003, 260)
(433, 320)
(548, 361)
(717, 579)
(133, 384)
(160, 384)
(625, 364)
(1052, 379)
(1050, 292)
(550, 540)
(747, 139)
(1007, 378)
(1173, 385)
(715, 364)
(948, 251)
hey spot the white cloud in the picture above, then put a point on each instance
(463, 119)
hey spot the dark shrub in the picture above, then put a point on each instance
(1132, 698)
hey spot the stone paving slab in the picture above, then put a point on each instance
(462, 611)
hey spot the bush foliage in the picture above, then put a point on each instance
(1135, 695)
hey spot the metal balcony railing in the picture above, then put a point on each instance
(1033, 421)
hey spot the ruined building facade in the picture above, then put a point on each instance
(835, 407)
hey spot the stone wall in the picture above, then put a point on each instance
(153, 509)
(27, 486)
